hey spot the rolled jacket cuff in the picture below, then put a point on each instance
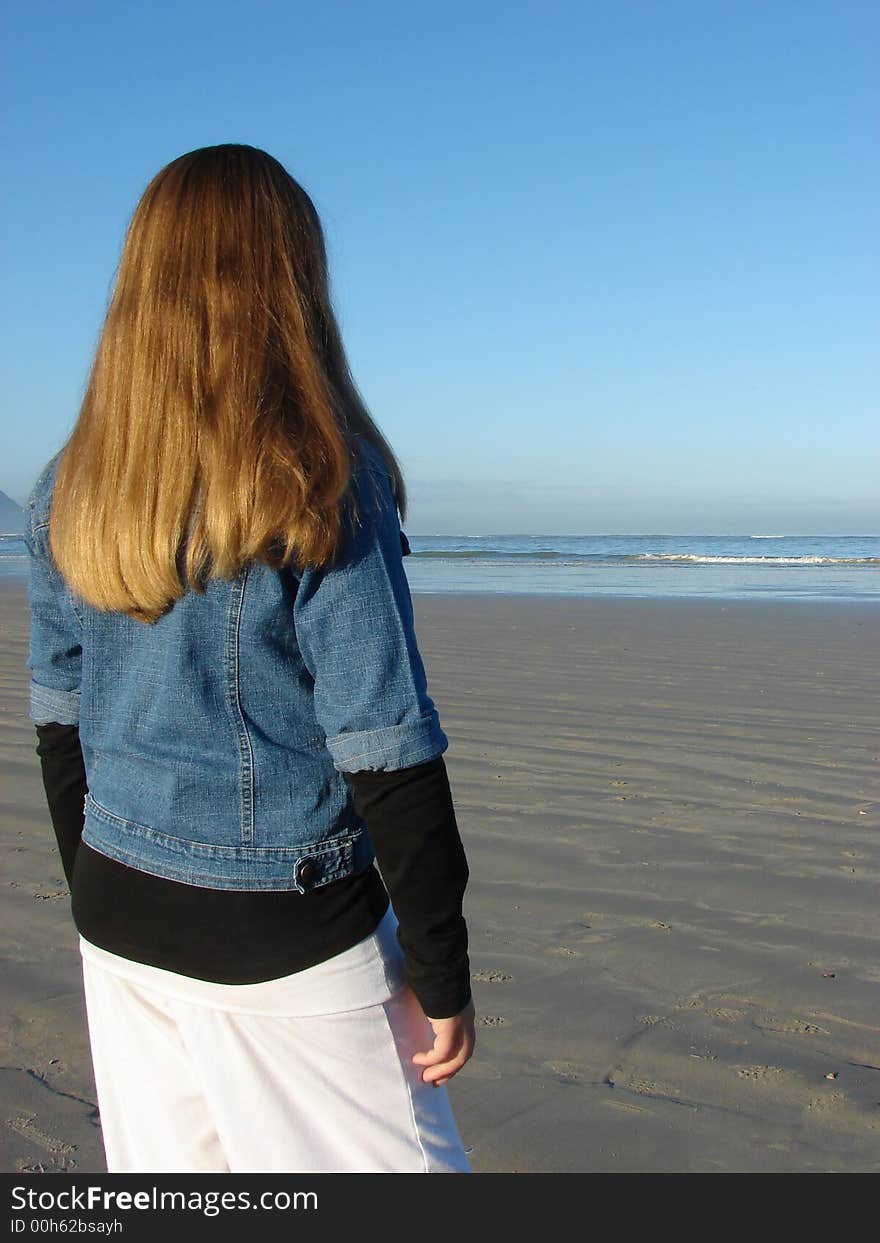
(47, 705)
(393, 747)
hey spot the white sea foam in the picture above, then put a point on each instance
(707, 560)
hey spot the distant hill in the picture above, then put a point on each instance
(11, 516)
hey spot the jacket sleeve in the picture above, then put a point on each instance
(55, 651)
(355, 630)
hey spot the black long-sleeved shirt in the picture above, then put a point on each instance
(245, 937)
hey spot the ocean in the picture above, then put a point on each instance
(731, 567)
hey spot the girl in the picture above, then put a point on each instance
(233, 718)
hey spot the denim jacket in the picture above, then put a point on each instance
(216, 739)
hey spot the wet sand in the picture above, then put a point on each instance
(672, 816)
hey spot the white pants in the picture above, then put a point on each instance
(310, 1073)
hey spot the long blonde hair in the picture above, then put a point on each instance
(220, 420)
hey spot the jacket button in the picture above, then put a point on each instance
(305, 872)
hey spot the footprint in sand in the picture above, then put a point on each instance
(799, 1027)
(565, 1071)
(654, 1020)
(647, 1087)
(759, 1073)
(725, 1013)
(60, 1151)
(563, 951)
(491, 977)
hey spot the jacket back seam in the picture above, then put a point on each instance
(233, 699)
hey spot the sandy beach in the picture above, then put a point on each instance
(672, 815)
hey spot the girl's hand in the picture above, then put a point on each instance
(454, 1042)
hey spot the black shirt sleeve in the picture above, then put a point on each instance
(411, 821)
(64, 779)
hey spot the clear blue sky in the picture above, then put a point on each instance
(600, 267)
